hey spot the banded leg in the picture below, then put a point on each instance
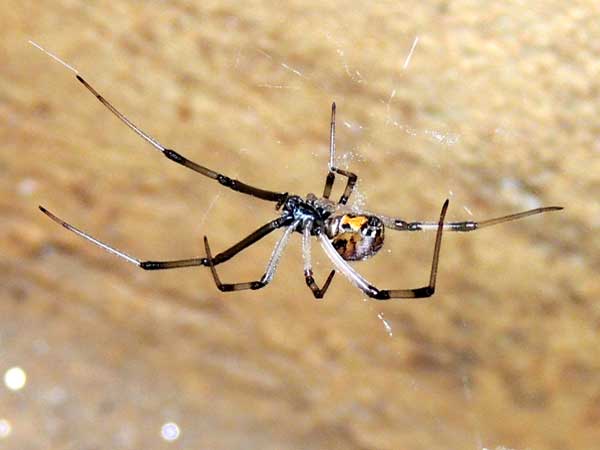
(333, 170)
(160, 265)
(221, 257)
(308, 273)
(386, 294)
(172, 154)
(469, 225)
(269, 272)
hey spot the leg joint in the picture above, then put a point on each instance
(150, 265)
(174, 156)
(423, 292)
(226, 181)
(380, 295)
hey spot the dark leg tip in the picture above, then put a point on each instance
(423, 292)
(53, 217)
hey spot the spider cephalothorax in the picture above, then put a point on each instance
(343, 236)
(305, 211)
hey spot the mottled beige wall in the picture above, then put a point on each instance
(497, 109)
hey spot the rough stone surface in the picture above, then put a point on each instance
(497, 109)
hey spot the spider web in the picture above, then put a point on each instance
(270, 369)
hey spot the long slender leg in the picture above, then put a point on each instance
(308, 272)
(469, 225)
(385, 294)
(172, 154)
(269, 272)
(221, 257)
(93, 240)
(159, 265)
(330, 175)
(333, 170)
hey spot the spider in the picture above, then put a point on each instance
(344, 234)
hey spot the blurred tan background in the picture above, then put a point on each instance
(496, 107)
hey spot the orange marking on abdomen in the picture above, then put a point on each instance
(355, 222)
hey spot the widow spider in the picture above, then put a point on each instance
(344, 235)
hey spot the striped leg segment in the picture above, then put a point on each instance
(269, 272)
(333, 170)
(179, 159)
(308, 272)
(469, 225)
(171, 154)
(162, 265)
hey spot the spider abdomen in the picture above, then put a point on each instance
(355, 237)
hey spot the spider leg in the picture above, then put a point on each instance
(161, 265)
(333, 170)
(221, 257)
(92, 239)
(469, 225)
(172, 154)
(269, 272)
(385, 294)
(179, 159)
(308, 273)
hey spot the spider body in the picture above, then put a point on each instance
(355, 237)
(344, 234)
